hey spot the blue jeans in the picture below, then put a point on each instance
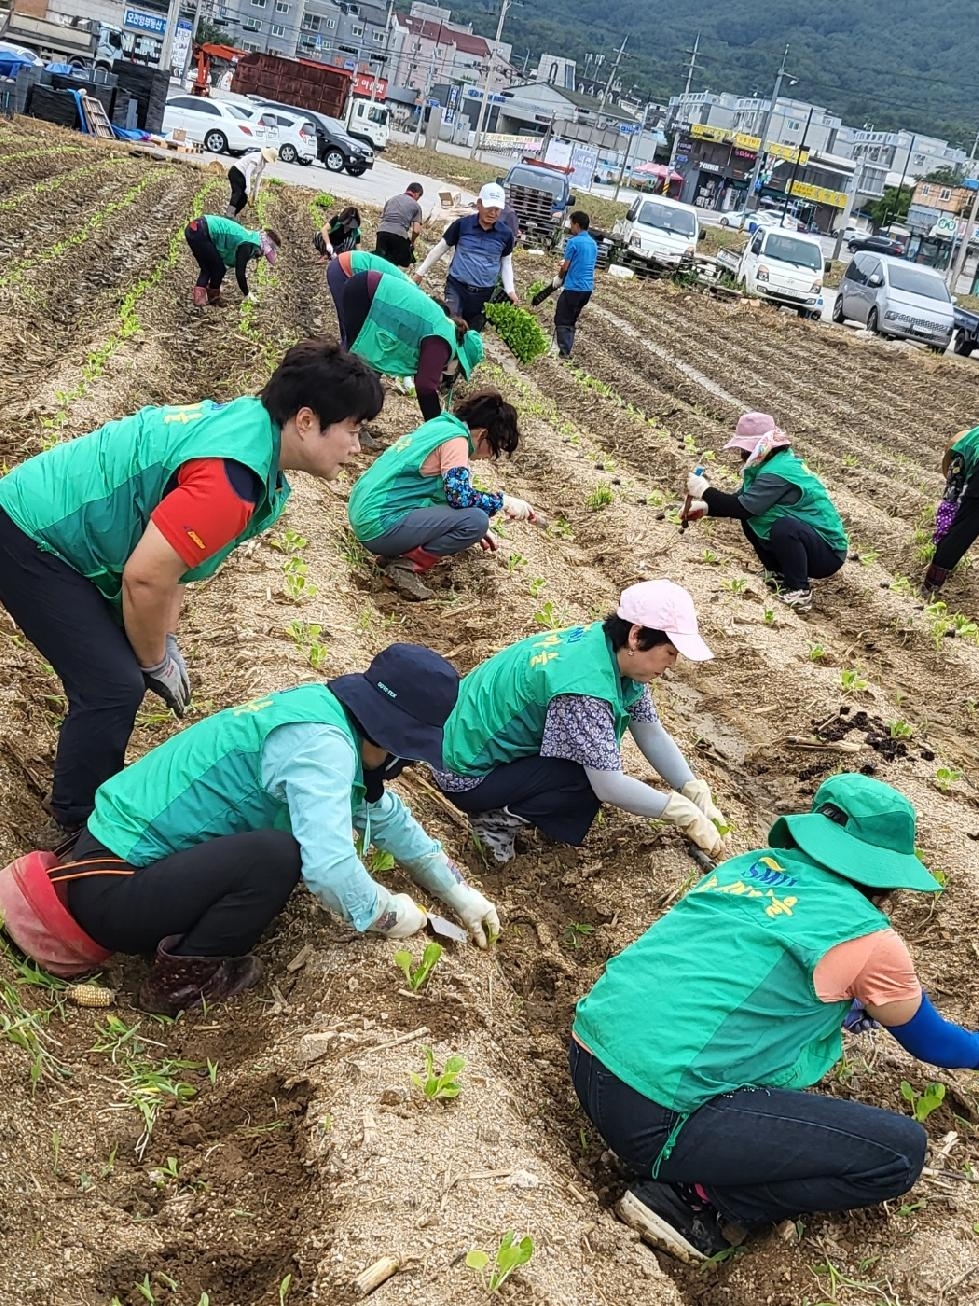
(468, 302)
(761, 1154)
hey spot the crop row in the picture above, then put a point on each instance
(48, 184)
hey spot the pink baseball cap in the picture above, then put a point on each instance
(269, 248)
(661, 605)
(750, 429)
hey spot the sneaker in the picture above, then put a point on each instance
(497, 831)
(665, 1220)
(800, 600)
(401, 574)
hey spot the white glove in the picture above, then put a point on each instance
(517, 509)
(557, 281)
(477, 913)
(698, 791)
(169, 679)
(688, 817)
(252, 296)
(173, 650)
(697, 485)
(697, 509)
(399, 918)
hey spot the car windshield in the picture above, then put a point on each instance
(916, 281)
(664, 218)
(236, 112)
(786, 249)
(380, 116)
(553, 183)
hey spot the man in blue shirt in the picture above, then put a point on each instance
(578, 273)
(483, 246)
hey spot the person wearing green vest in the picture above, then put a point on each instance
(401, 332)
(99, 535)
(693, 1051)
(347, 264)
(957, 518)
(416, 504)
(787, 516)
(535, 736)
(218, 244)
(193, 851)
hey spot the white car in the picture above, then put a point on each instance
(223, 128)
(752, 219)
(297, 134)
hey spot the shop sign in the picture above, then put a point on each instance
(836, 199)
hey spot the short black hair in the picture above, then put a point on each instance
(581, 219)
(487, 410)
(318, 374)
(617, 629)
(415, 188)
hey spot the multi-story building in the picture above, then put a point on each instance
(426, 49)
(745, 115)
(345, 32)
(885, 158)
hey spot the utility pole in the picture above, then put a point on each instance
(753, 196)
(795, 167)
(387, 48)
(484, 102)
(686, 91)
(166, 51)
(625, 161)
(611, 76)
(904, 173)
(428, 89)
(963, 250)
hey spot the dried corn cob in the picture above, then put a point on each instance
(91, 995)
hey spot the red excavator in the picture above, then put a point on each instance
(203, 54)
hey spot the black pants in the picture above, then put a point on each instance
(962, 535)
(795, 551)
(354, 305)
(549, 792)
(396, 249)
(219, 896)
(468, 302)
(239, 189)
(336, 282)
(73, 627)
(205, 252)
(566, 314)
(762, 1155)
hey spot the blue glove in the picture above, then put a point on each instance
(857, 1021)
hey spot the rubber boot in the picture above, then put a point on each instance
(177, 984)
(404, 573)
(200, 296)
(214, 297)
(935, 578)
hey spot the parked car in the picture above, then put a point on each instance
(296, 133)
(335, 149)
(966, 331)
(223, 128)
(896, 299)
(752, 219)
(659, 232)
(878, 244)
(784, 267)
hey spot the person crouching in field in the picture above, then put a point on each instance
(957, 518)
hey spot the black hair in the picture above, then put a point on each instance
(617, 629)
(318, 374)
(581, 219)
(487, 410)
(349, 214)
(415, 188)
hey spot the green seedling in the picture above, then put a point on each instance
(852, 680)
(535, 586)
(298, 586)
(560, 529)
(514, 561)
(381, 862)
(923, 1104)
(869, 556)
(439, 1085)
(549, 616)
(418, 976)
(519, 330)
(212, 1070)
(576, 931)
(710, 558)
(289, 541)
(494, 1271)
(601, 496)
(734, 585)
(900, 729)
(902, 585)
(816, 652)
(769, 616)
(945, 777)
(284, 1287)
(722, 828)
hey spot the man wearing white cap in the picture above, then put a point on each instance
(535, 735)
(785, 512)
(483, 249)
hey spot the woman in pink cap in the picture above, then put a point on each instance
(784, 509)
(535, 735)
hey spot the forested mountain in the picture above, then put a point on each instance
(909, 63)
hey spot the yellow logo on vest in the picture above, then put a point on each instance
(547, 643)
(188, 413)
(765, 870)
(256, 705)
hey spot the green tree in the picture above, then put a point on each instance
(892, 206)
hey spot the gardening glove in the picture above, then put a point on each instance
(697, 485)
(169, 679)
(489, 543)
(856, 1020)
(399, 918)
(173, 650)
(698, 791)
(517, 509)
(689, 819)
(697, 509)
(252, 296)
(476, 912)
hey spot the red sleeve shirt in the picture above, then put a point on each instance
(210, 505)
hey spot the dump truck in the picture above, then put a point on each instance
(66, 38)
(540, 195)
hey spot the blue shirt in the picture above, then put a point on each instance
(478, 253)
(581, 253)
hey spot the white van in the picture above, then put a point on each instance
(784, 267)
(659, 231)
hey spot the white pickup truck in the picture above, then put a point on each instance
(658, 232)
(784, 267)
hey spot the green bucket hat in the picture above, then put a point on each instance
(861, 829)
(470, 353)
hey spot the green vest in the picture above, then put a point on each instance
(501, 710)
(393, 485)
(718, 995)
(88, 501)
(968, 446)
(361, 261)
(400, 318)
(227, 236)
(815, 507)
(207, 781)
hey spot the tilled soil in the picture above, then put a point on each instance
(297, 1153)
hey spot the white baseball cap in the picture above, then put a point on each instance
(661, 605)
(492, 196)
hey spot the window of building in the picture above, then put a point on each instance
(330, 24)
(281, 6)
(378, 37)
(251, 24)
(945, 193)
(357, 29)
(258, 4)
(311, 22)
(276, 30)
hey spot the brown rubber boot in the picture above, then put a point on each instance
(402, 574)
(177, 984)
(214, 297)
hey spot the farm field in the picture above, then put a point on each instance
(266, 1152)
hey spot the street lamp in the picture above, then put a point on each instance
(754, 190)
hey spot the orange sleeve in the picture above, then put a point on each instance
(875, 969)
(345, 263)
(208, 508)
(452, 454)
